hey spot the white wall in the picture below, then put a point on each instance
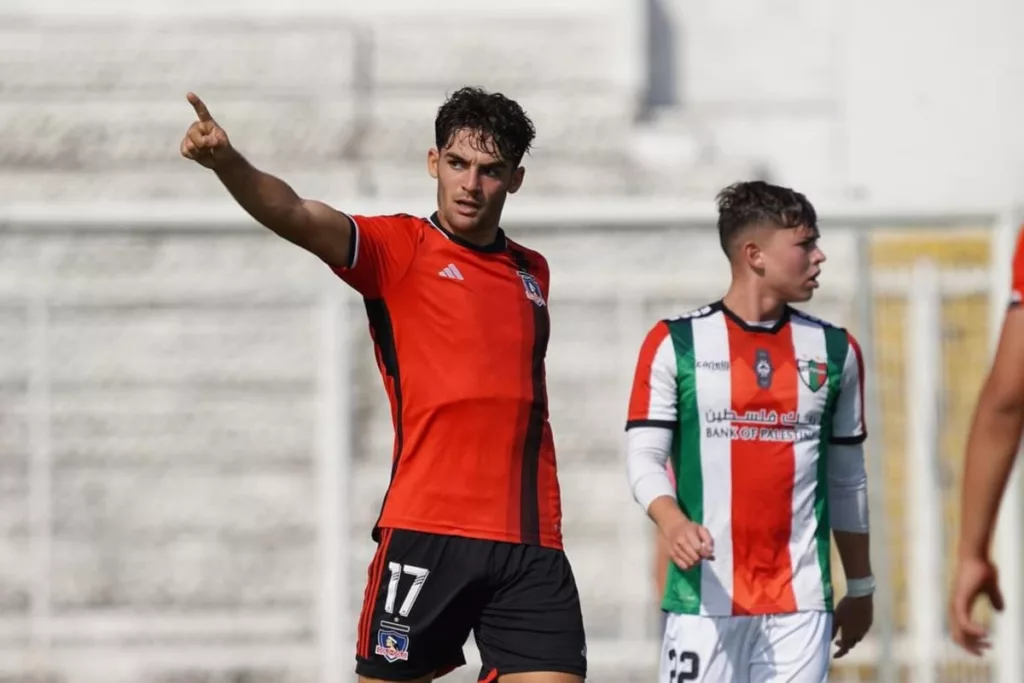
(934, 100)
(375, 8)
(758, 81)
(889, 100)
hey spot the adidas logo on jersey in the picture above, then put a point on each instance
(451, 271)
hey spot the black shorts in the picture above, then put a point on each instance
(425, 593)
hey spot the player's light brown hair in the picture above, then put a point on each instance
(746, 204)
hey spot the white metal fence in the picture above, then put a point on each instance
(193, 440)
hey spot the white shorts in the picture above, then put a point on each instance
(774, 648)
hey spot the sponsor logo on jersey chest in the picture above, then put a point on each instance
(763, 368)
(713, 365)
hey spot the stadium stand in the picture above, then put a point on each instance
(182, 365)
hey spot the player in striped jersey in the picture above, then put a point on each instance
(991, 450)
(760, 409)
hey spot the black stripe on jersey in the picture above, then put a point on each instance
(661, 424)
(529, 506)
(746, 327)
(383, 333)
(848, 440)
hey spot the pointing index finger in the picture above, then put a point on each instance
(201, 111)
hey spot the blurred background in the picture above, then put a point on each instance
(194, 441)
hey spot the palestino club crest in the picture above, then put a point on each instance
(813, 373)
(532, 287)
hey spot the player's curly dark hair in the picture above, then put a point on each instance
(504, 128)
(745, 204)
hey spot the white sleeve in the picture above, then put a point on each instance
(848, 488)
(848, 426)
(651, 418)
(653, 397)
(647, 453)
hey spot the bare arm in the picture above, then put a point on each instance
(312, 225)
(666, 514)
(661, 561)
(993, 439)
(855, 553)
(854, 614)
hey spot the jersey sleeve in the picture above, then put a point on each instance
(381, 252)
(848, 427)
(544, 276)
(653, 399)
(1017, 287)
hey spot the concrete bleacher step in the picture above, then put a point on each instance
(185, 572)
(14, 503)
(272, 111)
(156, 503)
(182, 345)
(242, 270)
(14, 429)
(532, 53)
(170, 178)
(188, 428)
(14, 342)
(118, 58)
(15, 574)
(89, 134)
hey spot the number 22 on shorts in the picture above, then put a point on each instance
(685, 667)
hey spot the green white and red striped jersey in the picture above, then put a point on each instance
(753, 410)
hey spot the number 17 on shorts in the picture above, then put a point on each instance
(393, 637)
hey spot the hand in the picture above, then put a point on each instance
(689, 543)
(851, 621)
(205, 142)
(975, 576)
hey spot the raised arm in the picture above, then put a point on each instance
(310, 224)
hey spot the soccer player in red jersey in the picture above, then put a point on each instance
(469, 537)
(991, 449)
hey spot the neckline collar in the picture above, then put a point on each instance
(747, 327)
(498, 245)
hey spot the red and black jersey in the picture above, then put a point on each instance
(1017, 288)
(460, 333)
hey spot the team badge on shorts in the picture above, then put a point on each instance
(813, 373)
(532, 287)
(392, 645)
